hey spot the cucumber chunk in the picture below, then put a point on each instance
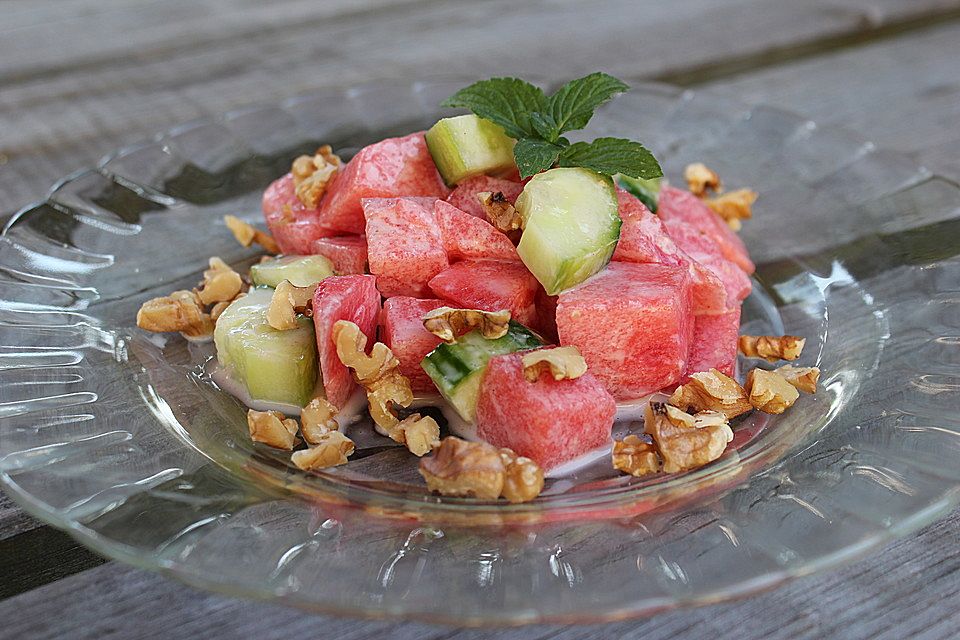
(274, 366)
(301, 271)
(467, 146)
(457, 368)
(647, 191)
(571, 226)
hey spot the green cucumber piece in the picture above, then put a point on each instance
(301, 271)
(647, 191)
(467, 146)
(571, 226)
(457, 368)
(274, 366)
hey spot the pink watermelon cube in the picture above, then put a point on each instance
(353, 298)
(390, 168)
(404, 247)
(464, 197)
(714, 343)
(489, 285)
(465, 236)
(294, 226)
(347, 253)
(402, 330)
(705, 251)
(548, 421)
(679, 205)
(632, 323)
(644, 239)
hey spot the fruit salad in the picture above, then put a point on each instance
(536, 289)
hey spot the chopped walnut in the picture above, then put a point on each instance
(420, 434)
(384, 395)
(701, 178)
(317, 419)
(220, 283)
(709, 419)
(246, 234)
(312, 174)
(351, 348)
(523, 478)
(272, 428)
(332, 449)
(635, 456)
(770, 392)
(286, 303)
(461, 468)
(682, 447)
(448, 324)
(500, 213)
(771, 348)
(563, 363)
(711, 391)
(180, 311)
(218, 309)
(733, 206)
(803, 378)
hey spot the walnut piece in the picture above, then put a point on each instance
(180, 311)
(635, 456)
(701, 178)
(448, 324)
(711, 391)
(683, 447)
(803, 378)
(523, 478)
(563, 363)
(246, 234)
(332, 449)
(771, 348)
(461, 468)
(317, 419)
(287, 301)
(220, 283)
(272, 428)
(420, 434)
(311, 174)
(501, 214)
(770, 392)
(733, 206)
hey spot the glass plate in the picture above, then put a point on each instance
(120, 438)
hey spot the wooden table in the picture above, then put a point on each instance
(79, 78)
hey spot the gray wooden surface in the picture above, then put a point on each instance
(79, 78)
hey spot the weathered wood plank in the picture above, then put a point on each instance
(911, 589)
(40, 556)
(60, 113)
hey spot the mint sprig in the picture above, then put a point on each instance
(537, 122)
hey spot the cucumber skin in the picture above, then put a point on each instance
(457, 369)
(274, 366)
(494, 145)
(301, 271)
(647, 191)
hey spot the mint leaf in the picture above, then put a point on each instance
(544, 125)
(573, 104)
(506, 101)
(534, 155)
(610, 156)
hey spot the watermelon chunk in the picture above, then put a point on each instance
(464, 197)
(402, 331)
(294, 226)
(353, 298)
(644, 239)
(705, 251)
(347, 253)
(489, 285)
(465, 236)
(404, 247)
(714, 343)
(546, 323)
(548, 421)
(390, 168)
(679, 205)
(632, 323)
